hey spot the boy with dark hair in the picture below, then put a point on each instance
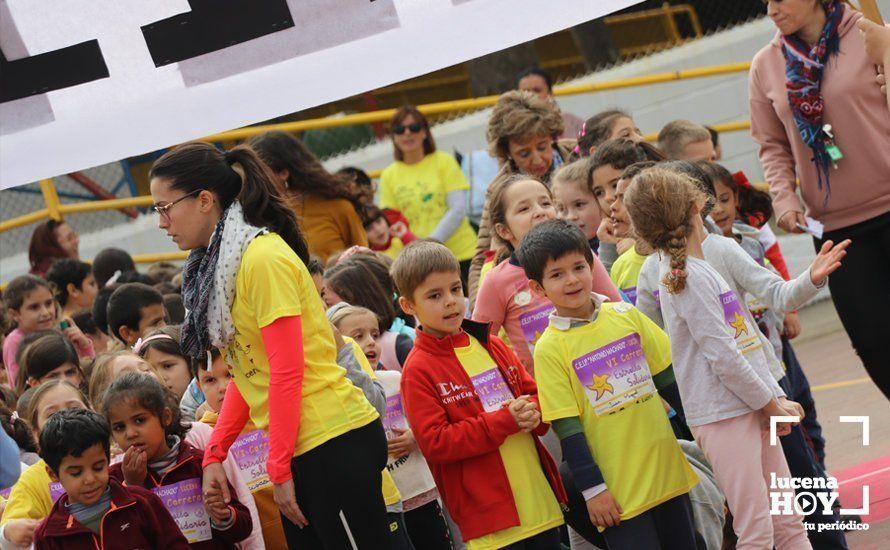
(473, 409)
(75, 286)
(110, 261)
(95, 510)
(133, 310)
(600, 367)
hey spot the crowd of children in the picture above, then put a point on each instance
(610, 385)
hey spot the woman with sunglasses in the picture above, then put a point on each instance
(427, 186)
(248, 293)
(523, 135)
(326, 205)
(51, 241)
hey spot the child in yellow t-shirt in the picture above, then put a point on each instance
(600, 369)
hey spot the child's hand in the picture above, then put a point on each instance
(135, 466)
(338, 338)
(403, 444)
(624, 245)
(827, 261)
(213, 480)
(398, 229)
(216, 506)
(76, 336)
(606, 232)
(20, 532)
(773, 408)
(793, 407)
(881, 79)
(525, 412)
(791, 325)
(603, 510)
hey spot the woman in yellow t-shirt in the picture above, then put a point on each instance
(326, 205)
(427, 186)
(248, 293)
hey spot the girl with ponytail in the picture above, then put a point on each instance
(721, 364)
(248, 292)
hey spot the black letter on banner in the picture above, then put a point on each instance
(45, 72)
(212, 25)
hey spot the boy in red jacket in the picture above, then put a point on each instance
(474, 411)
(95, 512)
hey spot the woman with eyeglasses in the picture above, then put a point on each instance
(427, 186)
(326, 204)
(249, 294)
(51, 241)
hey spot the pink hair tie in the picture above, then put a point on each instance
(581, 134)
(140, 343)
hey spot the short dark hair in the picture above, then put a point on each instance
(549, 241)
(84, 321)
(71, 432)
(110, 260)
(536, 71)
(149, 394)
(100, 307)
(126, 304)
(133, 276)
(65, 271)
(314, 267)
(174, 308)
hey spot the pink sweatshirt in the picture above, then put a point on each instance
(505, 300)
(858, 114)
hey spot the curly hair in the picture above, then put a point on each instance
(660, 203)
(518, 115)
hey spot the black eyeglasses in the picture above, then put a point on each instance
(399, 129)
(164, 210)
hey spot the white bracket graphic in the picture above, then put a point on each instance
(865, 426)
(773, 420)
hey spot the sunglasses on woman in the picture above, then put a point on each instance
(414, 128)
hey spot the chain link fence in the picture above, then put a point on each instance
(111, 178)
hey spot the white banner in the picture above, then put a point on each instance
(86, 82)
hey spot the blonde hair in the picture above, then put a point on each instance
(417, 261)
(100, 378)
(677, 134)
(518, 115)
(341, 314)
(660, 203)
(573, 173)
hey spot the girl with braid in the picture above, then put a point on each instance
(721, 366)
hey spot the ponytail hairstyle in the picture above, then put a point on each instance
(755, 206)
(660, 203)
(497, 210)
(363, 280)
(598, 129)
(17, 429)
(305, 174)
(621, 153)
(237, 174)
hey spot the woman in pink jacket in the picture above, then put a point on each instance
(819, 117)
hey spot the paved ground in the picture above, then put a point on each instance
(841, 387)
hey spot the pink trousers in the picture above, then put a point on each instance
(739, 451)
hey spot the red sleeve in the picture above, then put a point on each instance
(286, 363)
(408, 238)
(231, 421)
(441, 440)
(602, 283)
(774, 255)
(243, 525)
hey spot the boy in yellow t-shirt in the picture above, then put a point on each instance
(600, 368)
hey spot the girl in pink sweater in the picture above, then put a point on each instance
(505, 299)
(819, 117)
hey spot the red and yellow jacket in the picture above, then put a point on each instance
(459, 439)
(137, 519)
(188, 466)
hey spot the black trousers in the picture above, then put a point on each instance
(338, 489)
(428, 528)
(860, 290)
(548, 540)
